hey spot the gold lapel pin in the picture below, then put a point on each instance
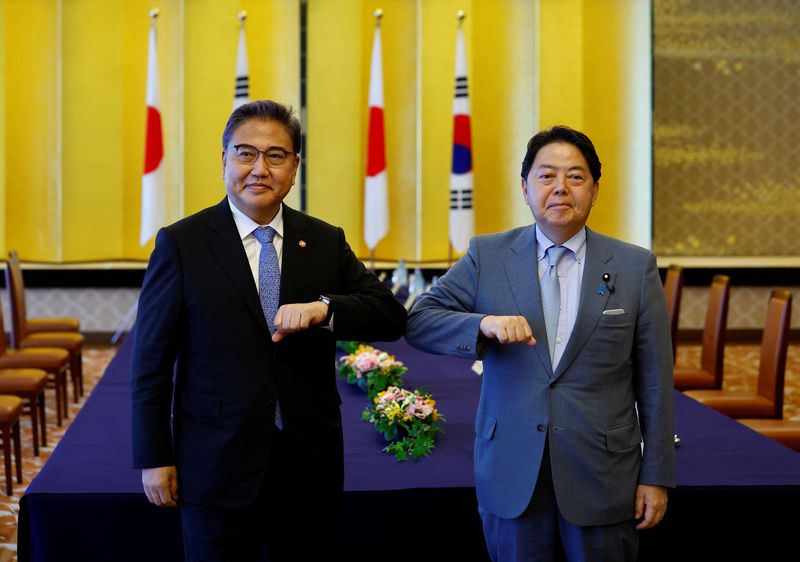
(302, 243)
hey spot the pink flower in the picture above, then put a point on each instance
(420, 409)
(366, 361)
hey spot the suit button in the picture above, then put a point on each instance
(467, 348)
(553, 384)
(540, 427)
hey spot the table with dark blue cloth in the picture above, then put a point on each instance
(87, 502)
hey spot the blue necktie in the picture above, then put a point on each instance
(269, 275)
(269, 287)
(551, 296)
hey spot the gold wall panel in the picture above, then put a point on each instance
(726, 135)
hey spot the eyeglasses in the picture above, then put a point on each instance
(274, 156)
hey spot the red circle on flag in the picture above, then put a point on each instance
(154, 145)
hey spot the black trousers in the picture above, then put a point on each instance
(289, 520)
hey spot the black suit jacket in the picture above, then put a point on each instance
(201, 339)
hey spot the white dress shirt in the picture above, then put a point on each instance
(252, 247)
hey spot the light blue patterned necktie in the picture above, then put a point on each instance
(269, 287)
(269, 275)
(551, 296)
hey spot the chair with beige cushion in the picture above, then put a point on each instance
(767, 400)
(673, 289)
(29, 384)
(709, 374)
(21, 338)
(53, 361)
(10, 411)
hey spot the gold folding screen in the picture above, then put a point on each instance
(72, 104)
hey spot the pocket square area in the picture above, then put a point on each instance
(614, 312)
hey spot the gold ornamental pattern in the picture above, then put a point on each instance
(726, 130)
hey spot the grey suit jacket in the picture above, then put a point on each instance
(587, 409)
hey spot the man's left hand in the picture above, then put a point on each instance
(292, 318)
(651, 505)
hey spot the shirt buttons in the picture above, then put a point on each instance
(558, 340)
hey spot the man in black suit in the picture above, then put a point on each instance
(235, 409)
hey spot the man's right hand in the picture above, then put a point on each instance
(507, 329)
(161, 485)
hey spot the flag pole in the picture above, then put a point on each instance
(377, 14)
(126, 323)
(376, 213)
(460, 15)
(241, 16)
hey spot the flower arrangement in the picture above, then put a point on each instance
(371, 369)
(408, 420)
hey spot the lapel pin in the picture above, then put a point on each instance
(606, 277)
(601, 289)
(302, 243)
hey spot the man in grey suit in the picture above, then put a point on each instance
(574, 431)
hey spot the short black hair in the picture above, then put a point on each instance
(267, 110)
(562, 133)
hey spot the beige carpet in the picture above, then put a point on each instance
(741, 364)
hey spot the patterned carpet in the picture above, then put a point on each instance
(741, 364)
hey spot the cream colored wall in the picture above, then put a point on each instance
(72, 85)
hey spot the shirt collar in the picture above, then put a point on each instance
(245, 225)
(577, 244)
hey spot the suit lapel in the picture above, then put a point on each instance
(593, 298)
(298, 247)
(521, 267)
(227, 248)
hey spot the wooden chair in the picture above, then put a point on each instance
(767, 400)
(17, 299)
(29, 384)
(785, 432)
(53, 361)
(10, 410)
(72, 342)
(673, 288)
(709, 375)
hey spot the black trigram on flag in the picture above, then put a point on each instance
(460, 199)
(242, 87)
(461, 87)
